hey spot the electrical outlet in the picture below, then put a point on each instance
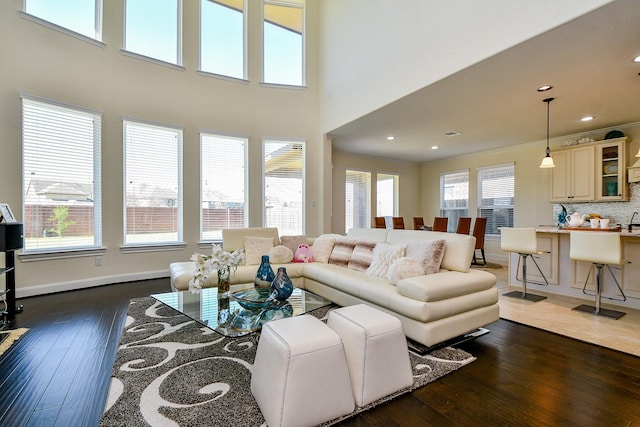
(98, 261)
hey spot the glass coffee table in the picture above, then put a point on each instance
(223, 313)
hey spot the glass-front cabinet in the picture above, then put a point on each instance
(611, 165)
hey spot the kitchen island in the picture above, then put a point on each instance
(567, 277)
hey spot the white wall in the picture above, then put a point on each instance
(374, 52)
(40, 61)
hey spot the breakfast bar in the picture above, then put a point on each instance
(567, 277)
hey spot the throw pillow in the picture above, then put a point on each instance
(362, 256)
(255, 247)
(292, 242)
(384, 255)
(280, 255)
(402, 268)
(342, 250)
(428, 254)
(303, 254)
(322, 247)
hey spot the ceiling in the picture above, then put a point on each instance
(495, 103)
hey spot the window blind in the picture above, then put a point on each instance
(283, 172)
(153, 183)
(454, 197)
(496, 196)
(61, 176)
(223, 184)
(357, 201)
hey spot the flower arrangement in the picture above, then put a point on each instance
(220, 261)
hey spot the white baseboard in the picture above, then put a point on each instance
(73, 285)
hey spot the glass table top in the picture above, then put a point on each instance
(224, 314)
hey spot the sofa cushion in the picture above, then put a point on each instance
(255, 247)
(342, 250)
(233, 238)
(322, 247)
(292, 242)
(362, 256)
(280, 255)
(445, 285)
(458, 251)
(384, 255)
(402, 268)
(427, 254)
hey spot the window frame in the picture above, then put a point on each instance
(245, 69)
(245, 140)
(77, 250)
(128, 247)
(490, 221)
(367, 199)
(179, 41)
(303, 144)
(459, 211)
(303, 54)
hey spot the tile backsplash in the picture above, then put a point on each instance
(617, 212)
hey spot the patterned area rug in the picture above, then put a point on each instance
(172, 371)
(7, 338)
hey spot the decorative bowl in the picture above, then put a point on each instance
(254, 299)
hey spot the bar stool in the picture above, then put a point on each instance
(600, 249)
(522, 241)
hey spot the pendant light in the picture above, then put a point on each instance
(547, 162)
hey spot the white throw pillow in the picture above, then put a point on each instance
(428, 254)
(280, 255)
(255, 247)
(322, 247)
(402, 268)
(384, 255)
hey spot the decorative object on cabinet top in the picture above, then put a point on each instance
(584, 140)
(614, 134)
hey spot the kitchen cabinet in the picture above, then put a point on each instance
(573, 178)
(611, 164)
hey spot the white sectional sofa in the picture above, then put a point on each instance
(432, 307)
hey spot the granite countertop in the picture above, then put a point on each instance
(556, 230)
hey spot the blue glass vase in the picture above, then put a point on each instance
(282, 284)
(265, 274)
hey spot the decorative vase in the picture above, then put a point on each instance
(265, 274)
(224, 281)
(223, 309)
(282, 284)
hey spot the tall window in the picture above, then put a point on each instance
(283, 172)
(61, 177)
(152, 184)
(283, 42)
(454, 197)
(222, 37)
(81, 16)
(153, 29)
(387, 195)
(496, 187)
(357, 199)
(223, 184)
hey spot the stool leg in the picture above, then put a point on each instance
(524, 275)
(524, 295)
(598, 287)
(598, 310)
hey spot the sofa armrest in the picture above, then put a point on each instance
(445, 284)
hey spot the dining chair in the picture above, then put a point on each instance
(418, 223)
(582, 247)
(524, 242)
(464, 225)
(398, 222)
(380, 222)
(479, 228)
(440, 223)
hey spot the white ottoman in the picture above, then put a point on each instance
(376, 351)
(300, 375)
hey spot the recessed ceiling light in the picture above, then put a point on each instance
(391, 138)
(587, 118)
(452, 133)
(636, 59)
(434, 147)
(545, 88)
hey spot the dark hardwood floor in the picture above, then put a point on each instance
(58, 373)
